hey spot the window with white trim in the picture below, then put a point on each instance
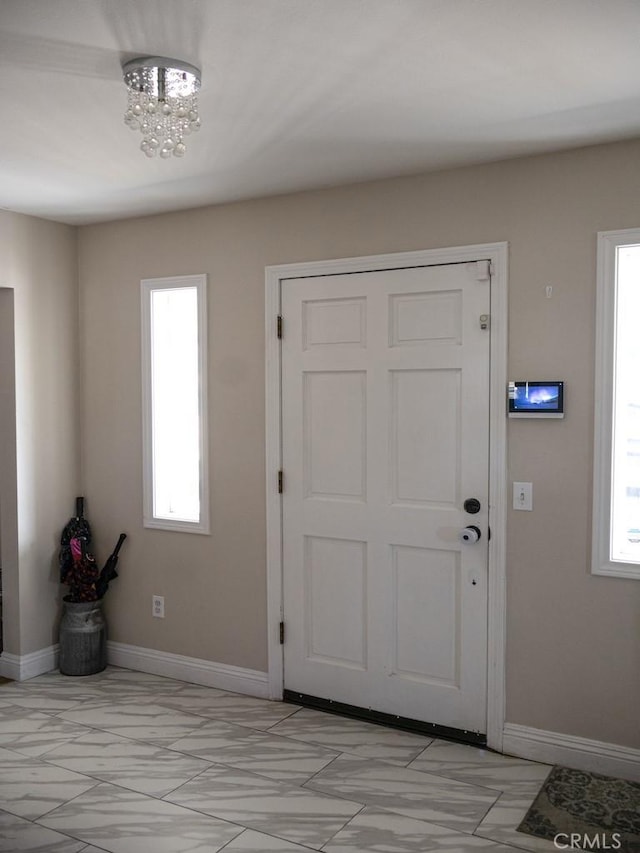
(174, 382)
(616, 507)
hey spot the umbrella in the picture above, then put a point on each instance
(109, 572)
(76, 528)
(84, 573)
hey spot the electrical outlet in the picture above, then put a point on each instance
(523, 496)
(157, 606)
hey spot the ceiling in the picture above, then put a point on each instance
(300, 94)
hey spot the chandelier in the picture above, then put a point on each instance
(163, 103)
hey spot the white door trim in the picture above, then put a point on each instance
(497, 253)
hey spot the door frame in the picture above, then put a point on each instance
(497, 254)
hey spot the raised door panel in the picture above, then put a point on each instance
(335, 579)
(425, 436)
(426, 610)
(334, 435)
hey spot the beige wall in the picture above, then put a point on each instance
(573, 639)
(8, 473)
(40, 453)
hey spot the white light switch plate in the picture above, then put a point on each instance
(523, 496)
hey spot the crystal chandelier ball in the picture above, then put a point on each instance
(163, 103)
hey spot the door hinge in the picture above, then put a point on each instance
(279, 326)
(280, 482)
(282, 633)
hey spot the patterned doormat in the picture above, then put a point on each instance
(586, 811)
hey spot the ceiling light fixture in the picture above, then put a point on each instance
(163, 103)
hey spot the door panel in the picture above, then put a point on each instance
(385, 402)
(336, 625)
(334, 321)
(425, 443)
(334, 434)
(426, 317)
(427, 614)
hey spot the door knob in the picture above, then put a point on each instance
(470, 534)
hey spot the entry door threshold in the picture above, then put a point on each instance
(382, 719)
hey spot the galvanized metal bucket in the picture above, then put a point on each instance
(83, 638)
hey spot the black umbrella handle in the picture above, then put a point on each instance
(79, 507)
(116, 550)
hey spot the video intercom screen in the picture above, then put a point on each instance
(536, 399)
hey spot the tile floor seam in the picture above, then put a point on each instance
(160, 797)
(513, 846)
(288, 784)
(345, 824)
(459, 830)
(40, 826)
(266, 732)
(219, 762)
(65, 834)
(236, 822)
(205, 720)
(287, 717)
(240, 826)
(493, 804)
(190, 779)
(495, 791)
(146, 741)
(112, 703)
(64, 803)
(47, 760)
(276, 838)
(282, 837)
(231, 840)
(389, 761)
(391, 810)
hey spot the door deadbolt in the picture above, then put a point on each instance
(472, 506)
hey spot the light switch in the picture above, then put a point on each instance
(523, 496)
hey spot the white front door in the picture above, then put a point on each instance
(385, 435)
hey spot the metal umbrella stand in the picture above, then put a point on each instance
(83, 629)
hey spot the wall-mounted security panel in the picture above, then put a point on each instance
(528, 399)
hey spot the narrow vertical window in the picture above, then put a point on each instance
(174, 403)
(616, 548)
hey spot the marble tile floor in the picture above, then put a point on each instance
(126, 762)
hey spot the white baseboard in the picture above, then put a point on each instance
(22, 667)
(194, 670)
(597, 756)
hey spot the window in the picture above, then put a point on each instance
(174, 382)
(616, 516)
